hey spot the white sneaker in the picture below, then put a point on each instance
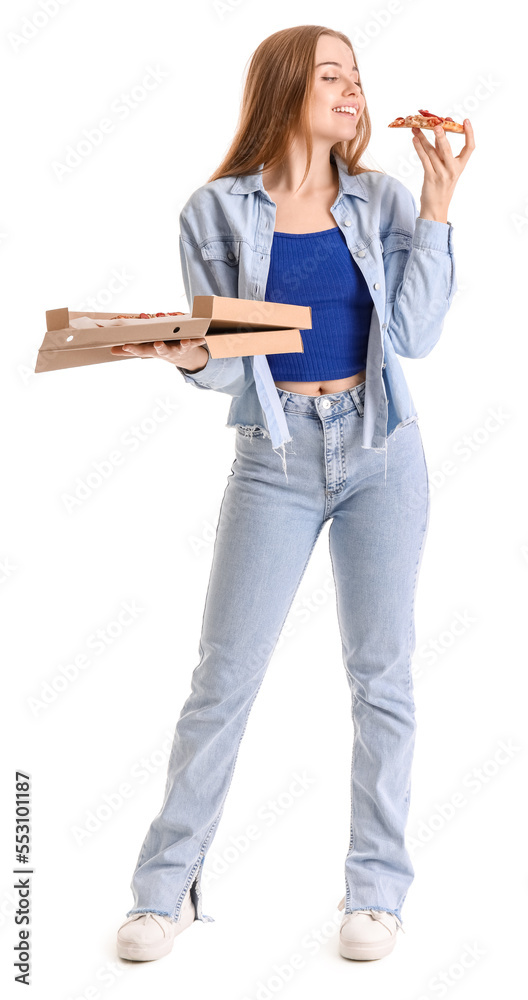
(147, 936)
(367, 934)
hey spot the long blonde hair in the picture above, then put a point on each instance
(275, 105)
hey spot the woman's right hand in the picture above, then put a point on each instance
(190, 353)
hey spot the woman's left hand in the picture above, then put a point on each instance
(441, 169)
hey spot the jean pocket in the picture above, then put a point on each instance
(250, 430)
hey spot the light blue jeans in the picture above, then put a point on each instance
(266, 533)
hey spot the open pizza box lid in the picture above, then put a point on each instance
(231, 327)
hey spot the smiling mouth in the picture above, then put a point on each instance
(351, 114)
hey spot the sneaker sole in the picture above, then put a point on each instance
(367, 950)
(134, 953)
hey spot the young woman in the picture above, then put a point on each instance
(292, 216)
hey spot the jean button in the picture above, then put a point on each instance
(326, 403)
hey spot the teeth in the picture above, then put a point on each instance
(351, 111)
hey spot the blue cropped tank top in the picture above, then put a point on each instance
(318, 270)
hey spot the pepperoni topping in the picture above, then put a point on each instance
(148, 315)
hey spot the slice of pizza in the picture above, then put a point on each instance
(425, 119)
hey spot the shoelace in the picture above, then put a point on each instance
(377, 914)
(157, 917)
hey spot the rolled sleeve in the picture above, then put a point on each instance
(432, 235)
(223, 374)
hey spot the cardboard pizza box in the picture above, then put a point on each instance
(231, 327)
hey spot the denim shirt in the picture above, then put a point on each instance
(226, 232)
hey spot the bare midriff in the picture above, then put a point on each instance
(323, 388)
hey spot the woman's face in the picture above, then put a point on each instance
(335, 86)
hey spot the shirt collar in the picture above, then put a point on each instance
(348, 183)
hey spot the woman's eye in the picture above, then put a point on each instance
(336, 78)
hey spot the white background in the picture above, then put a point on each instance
(145, 535)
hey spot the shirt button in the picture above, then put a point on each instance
(348, 222)
(326, 403)
(377, 284)
(383, 326)
(230, 255)
(360, 253)
(384, 365)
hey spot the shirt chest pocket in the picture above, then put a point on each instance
(396, 248)
(221, 258)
